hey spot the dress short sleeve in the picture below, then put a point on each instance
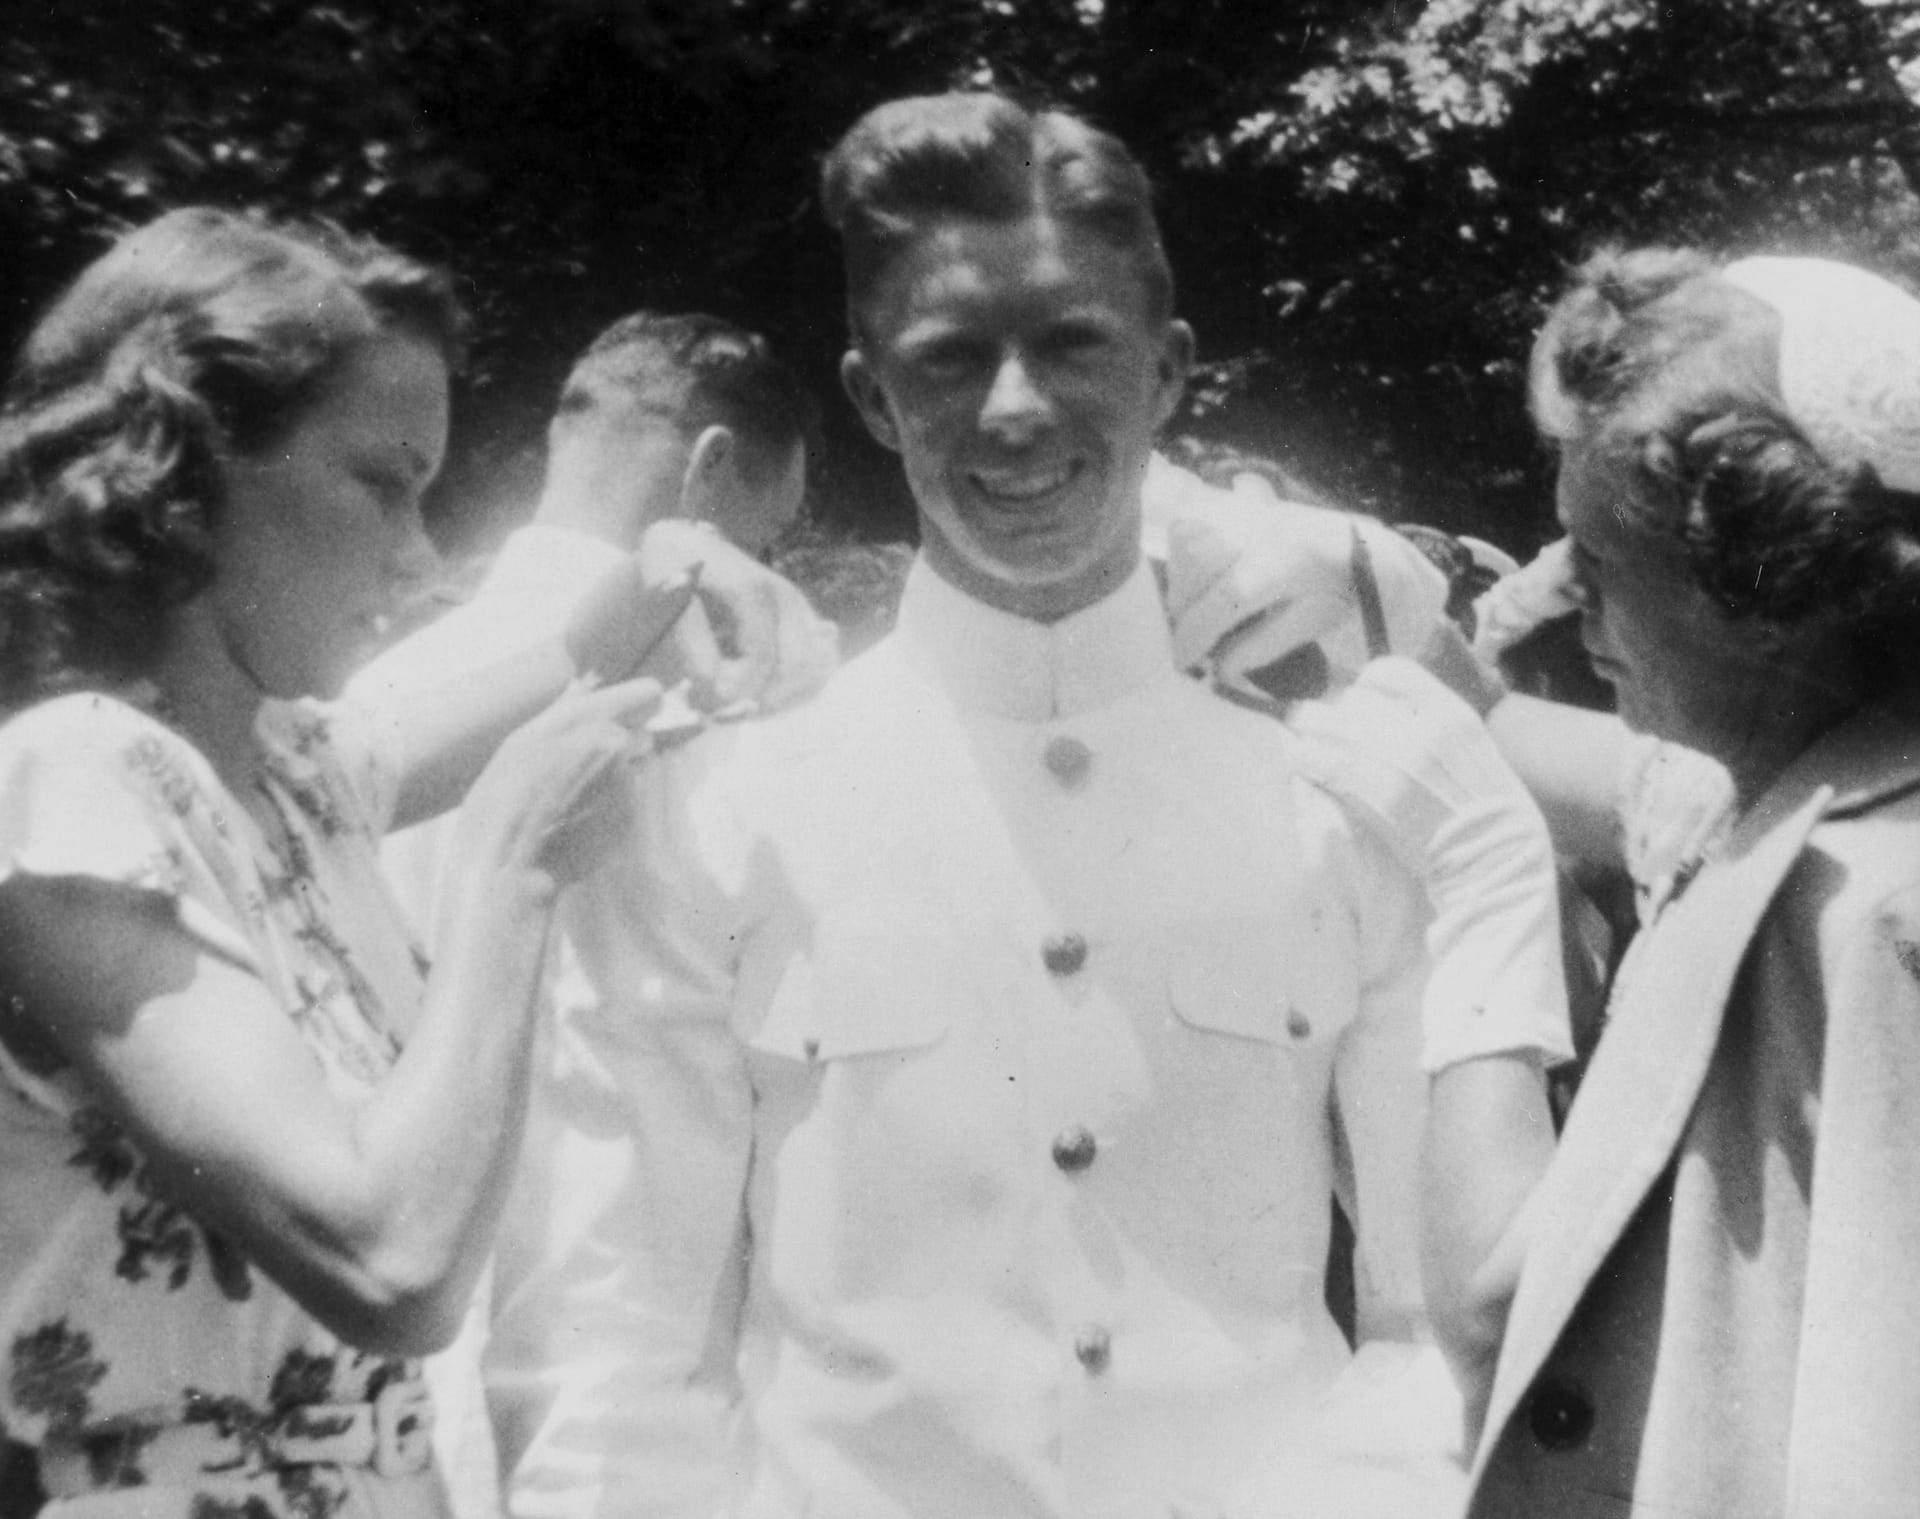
(92, 787)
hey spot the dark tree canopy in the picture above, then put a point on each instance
(1366, 203)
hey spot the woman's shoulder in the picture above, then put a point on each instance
(1874, 838)
(94, 734)
(78, 715)
(94, 785)
(1861, 859)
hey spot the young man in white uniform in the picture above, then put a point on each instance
(1027, 1004)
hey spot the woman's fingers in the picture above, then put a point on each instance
(595, 738)
(629, 702)
(752, 641)
(624, 618)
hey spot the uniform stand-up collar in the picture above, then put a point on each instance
(1035, 671)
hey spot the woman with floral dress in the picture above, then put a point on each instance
(250, 1153)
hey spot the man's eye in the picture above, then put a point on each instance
(1068, 342)
(951, 357)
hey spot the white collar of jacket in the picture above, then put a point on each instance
(1031, 671)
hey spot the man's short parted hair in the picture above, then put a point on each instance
(695, 371)
(980, 155)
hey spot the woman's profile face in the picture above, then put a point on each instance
(1680, 667)
(320, 532)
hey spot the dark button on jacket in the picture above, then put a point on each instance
(1093, 1347)
(1559, 1414)
(1068, 760)
(1074, 1149)
(1065, 955)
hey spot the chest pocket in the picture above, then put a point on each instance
(865, 987)
(1254, 978)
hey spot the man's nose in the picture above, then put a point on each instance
(412, 560)
(1016, 407)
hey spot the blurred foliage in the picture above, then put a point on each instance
(1367, 203)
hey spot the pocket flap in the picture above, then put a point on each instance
(863, 992)
(1229, 976)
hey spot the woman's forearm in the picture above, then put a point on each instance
(1571, 760)
(448, 731)
(1489, 1139)
(438, 1144)
(441, 1136)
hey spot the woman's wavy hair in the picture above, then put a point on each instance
(1654, 359)
(194, 339)
(982, 155)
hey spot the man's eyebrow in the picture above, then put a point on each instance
(930, 331)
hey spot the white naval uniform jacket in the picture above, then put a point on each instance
(995, 1029)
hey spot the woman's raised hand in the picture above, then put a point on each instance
(553, 794)
(751, 641)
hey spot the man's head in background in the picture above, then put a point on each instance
(679, 416)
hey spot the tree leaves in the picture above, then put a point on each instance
(1367, 205)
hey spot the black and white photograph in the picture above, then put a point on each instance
(960, 759)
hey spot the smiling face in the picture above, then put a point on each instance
(319, 533)
(1681, 668)
(1020, 373)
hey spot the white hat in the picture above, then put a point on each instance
(1849, 359)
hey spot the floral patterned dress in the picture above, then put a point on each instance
(167, 1372)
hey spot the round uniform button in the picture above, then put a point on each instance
(1559, 1414)
(1063, 956)
(1093, 1348)
(1074, 1149)
(1068, 760)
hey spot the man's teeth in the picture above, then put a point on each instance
(1024, 486)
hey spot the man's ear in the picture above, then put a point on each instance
(710, 464)
(863, 389)
(1171, 369)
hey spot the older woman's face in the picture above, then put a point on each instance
(1680, 668)
(320, 532)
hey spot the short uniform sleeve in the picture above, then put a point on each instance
(91, 787)
(1380, 1091)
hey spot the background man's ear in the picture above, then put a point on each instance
(863, 389)
(1175, 362)
(710, 461)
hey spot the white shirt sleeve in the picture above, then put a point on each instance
(621, 1269)
(1380, 1091)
